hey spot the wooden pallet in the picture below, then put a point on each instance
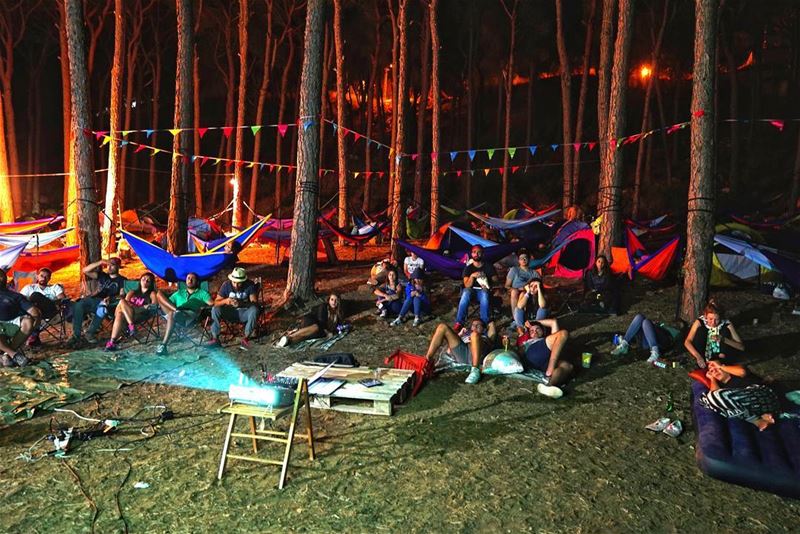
(352, 396)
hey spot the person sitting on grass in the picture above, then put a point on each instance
(648, 335)
(412, 264)
(529, 291)
(737, 394)
(236, 301)
(389, 295)
(600, 289)
(18, 319)
(111, 287)
(327, 319)
(184, 307)
(518, 278)
(545, 353)
(134, 307)
(709, 335)
(479, 277)
(467, 347)
(416, 298)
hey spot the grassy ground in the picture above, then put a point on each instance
(491, 457)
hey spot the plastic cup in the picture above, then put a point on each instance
(586, 359)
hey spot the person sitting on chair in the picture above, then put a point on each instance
(478, 276)
(517, 280)
(48, 298)
(237, 300)
(18, 319)
(600, 291)
(466, 347)
(327, 318)
(416, 298)
(389, 295)
(184, 307)
(709, 335)
(134, 307)
(531, 293)
(545, 353)
(111, 287)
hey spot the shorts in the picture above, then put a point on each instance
(537, 355)
(461, 353)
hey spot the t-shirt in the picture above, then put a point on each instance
(12, 305)
(486, 268)
(412, 265)
(107, 286)
(52, 291)
(520, 278)
(139, 298)
(740, 381)
(242, 294)
(183, 300)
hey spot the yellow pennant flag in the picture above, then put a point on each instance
(175, 131)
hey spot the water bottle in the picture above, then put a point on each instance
(670, 404)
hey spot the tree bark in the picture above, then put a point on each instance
(341, 149)
(604, 79)
(88, 230)
(395, 98)
(470, 104)
(155, 68)
(177, 225)
(302, 266)
(422, 107)
(435, 112)
(327, 58)
(238, 171)
(111, 220)
(70, 184)
(587, 56)
(509, 79)
(566, 107)
(398, 215)
(609, 192)
(702, 190)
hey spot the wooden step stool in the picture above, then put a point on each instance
(236, 409)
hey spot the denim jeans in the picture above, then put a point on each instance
(248, 316)
(642, 324)
(463, 304)
(419, 304)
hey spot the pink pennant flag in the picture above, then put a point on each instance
(414, 157)
(227, 131)
(271, 167)
(777, 124)
(202, 132)
(576, 146)
(357, 136)
(673, 128)
(434, 155)
(699, 113)
(282, 129)
(514, 169)
(592, 145)
(203, 160)
(458, 173)
(98, 135)
(139, 148)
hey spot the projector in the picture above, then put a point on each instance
(261, 396)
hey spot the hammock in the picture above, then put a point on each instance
(448, 237)
(53, 259)
(354, 239)
(32, 240)
(652, 226)
(172, 268)
(8, 257)
(286, 224)
(453, 268)
(28, 226)
(503, 224)
(244, 238)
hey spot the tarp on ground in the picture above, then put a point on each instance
(26, 391)
(575, 250)
(172, 268)
(33, 240)
(26, 227)
(54, 259)
(503, 224)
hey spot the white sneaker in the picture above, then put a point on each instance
(474, 376)
(416, 321)
(621, 349)
(554, 392)
(383, 314)
(283, 341)
(655, 355)
(396, 322)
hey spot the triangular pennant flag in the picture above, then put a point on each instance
(261, 166)
(357, 136)
(380, 174)
(175, 131)
(139, 148)
(155, 151)
(453, 156)
(458, 173)
(202, 132)
(512, 151)
(554, 147)
(490, 153)
(203, 160)
(532, 149)
(486, 171)
(255, 129)
(576, 146)
(227, 131)
(307, 124)
(126, 132)
(106, 140)
(217, 161)
(471, 154)
(367, 174)
(123, 143)
(592, 145)
(335, 127)
(514, 169)
(194, 158)
(175, 156)
(777, 124)
(230, 163)
(699, 113)
(271, 167)
(434, 155)
(414, 157)
(98, 135)
(282, 129)
(251, 164)
(355, 175)
(149, 133)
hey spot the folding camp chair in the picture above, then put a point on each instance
(55, 326)
(233, 328)
(147, 324)
(194, 331)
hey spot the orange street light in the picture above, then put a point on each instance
(645, 72)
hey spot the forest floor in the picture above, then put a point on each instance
(495, 456)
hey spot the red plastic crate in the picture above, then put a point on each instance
(422, 367)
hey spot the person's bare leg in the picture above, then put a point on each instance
(307, 332)
(26, 325)
(126, 310)
(556, 344)
(442, 333)
(170, 326)
(475, 348)
(119, 319)
(561, 373)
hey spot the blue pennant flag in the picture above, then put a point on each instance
(307, 123)
(149, 133)
(471, 154)
(554, 147)
(532, 148)
(453, 156)
(123, 143)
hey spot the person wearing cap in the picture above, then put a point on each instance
(416, 299)
(479, 276)
(18, 319)
(236, 301)
(110, 288)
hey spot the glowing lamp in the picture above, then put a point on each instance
(645, 71)
(261, 396)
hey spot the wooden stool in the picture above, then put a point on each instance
(267, 412)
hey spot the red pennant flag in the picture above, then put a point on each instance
(433, 155)
(98, 135)
(699, 113)
(282, 129)
(240, 163)
(777, 124)
(673, 128)
(414, 157)
(612, 144)
(230, 163)
(139, 148)
(458, 173)
(576, 146)
(380, 174)
(271, 167)
(227, 130)
(592, 145)
(203, 160)
(202, 132)
(367, 174)
(357, 136)
(514, 169)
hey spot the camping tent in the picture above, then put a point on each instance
(575, 249)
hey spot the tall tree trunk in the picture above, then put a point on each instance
(794, 192)
(425, 53)
(604, 81)
(327, 58)
(199, 203)
(702, 190)
(395, 97)
(302, 266)
(529, 113)
(435, 112)
(398, 218)
(509, 79)
(566, 106)
(341, 149)
(371, 103)
(70, 184)
(238, 171)
(88, 229)
(281, 114)
(112, 183)
(609, 192)
(470, 104)
(156, 73)
(177, 225)
(587, 56)
(7, 206)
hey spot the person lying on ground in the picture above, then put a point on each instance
(479, 278)
(467, 347)
(110, 287)
(412, 264)
(389, 295)
(737, 394)
(600, 288)
(327, 319)
(416, 299)
(648, 335)
(236, 301)
(134, 307)
(48, 298)
(711, 336)
(545, 353)
(531, 298)
(518, 278)
(184, 307)
(18, 319)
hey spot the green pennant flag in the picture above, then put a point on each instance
(512, 151)
(490, 153)
(255, 129)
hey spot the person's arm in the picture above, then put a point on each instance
(254, 294)
(522, 300)
(129, 296)
(540, 300)
(491, 331)
(509, 277)
(220, 299)
(688, 344)
(469, 278)
(60, 295)
(734, 370)
(90, 271)
(378, 293)
(552, 324)
(734, 341)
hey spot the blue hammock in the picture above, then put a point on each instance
(243, 238)
(173, 268)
